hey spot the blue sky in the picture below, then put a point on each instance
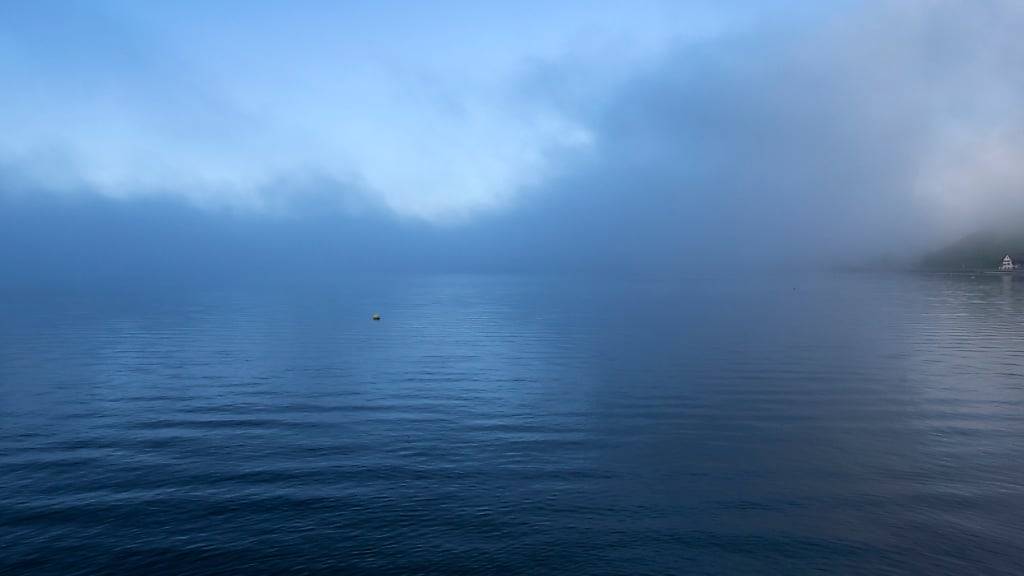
(638, 127)
(431, 107)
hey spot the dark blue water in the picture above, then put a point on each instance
(746, 425)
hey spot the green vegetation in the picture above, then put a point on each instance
(979, 251)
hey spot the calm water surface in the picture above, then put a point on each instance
(746, 425)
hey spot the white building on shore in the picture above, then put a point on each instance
(1007, 265)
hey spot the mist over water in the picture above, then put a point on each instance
(604, 240)
(856, 424)
(637, 138)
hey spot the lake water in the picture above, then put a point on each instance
(851, 424)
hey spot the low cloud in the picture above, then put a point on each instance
(778, 139)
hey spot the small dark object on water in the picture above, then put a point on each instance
(375, 317)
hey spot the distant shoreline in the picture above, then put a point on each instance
(974, 272)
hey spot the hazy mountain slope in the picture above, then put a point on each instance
(979, 251)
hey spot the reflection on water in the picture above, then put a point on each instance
(855, 424)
